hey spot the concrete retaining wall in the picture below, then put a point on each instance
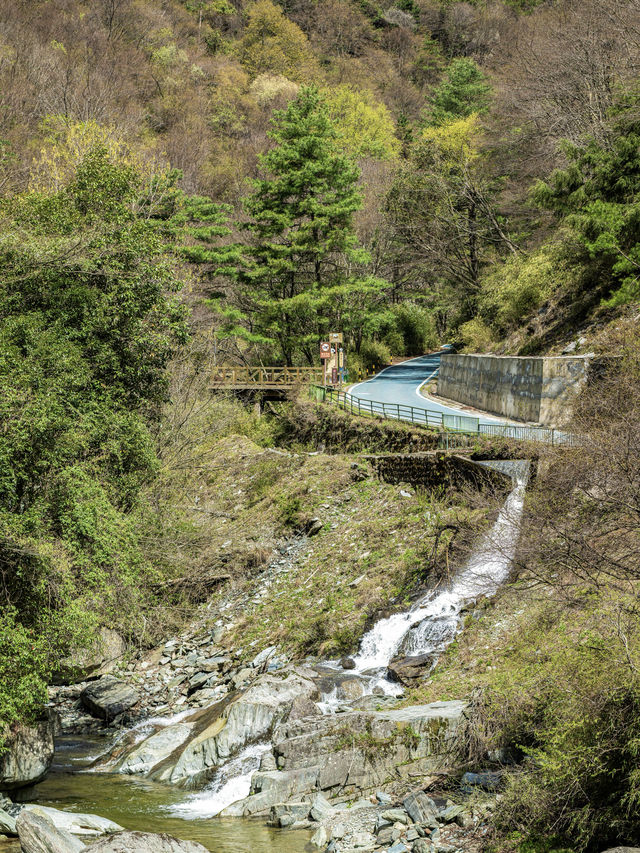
(540, 390)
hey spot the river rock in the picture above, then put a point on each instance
(189, 751)
(347, 663)
(407, 670)
(338, 754)
(319, 838)
(76, 824)
(38, 835)
(7, 824)
(108, 697)
(421, 809)
(28, 755)
(488, 781)
(146, 842)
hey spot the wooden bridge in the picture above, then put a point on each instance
(264, 378)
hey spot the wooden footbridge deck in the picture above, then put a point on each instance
(264, 378)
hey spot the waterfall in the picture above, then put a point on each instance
(433, 621)
(231, 783)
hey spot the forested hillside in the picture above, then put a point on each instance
(455, 115)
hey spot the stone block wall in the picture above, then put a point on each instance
(436, 469)
(525, 388)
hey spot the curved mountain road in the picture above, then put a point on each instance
(400, 385)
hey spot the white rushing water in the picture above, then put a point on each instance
(433, 621)
(231, 783)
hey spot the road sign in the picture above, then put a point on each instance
(335, 337)
(325, 350)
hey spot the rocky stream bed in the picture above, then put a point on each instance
(260, 753)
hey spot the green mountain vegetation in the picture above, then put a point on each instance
(196, 183)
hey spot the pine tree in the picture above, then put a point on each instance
(301, 231)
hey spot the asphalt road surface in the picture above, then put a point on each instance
(400, 383)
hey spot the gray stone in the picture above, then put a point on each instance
(39, 835)
(450, 814)
(262, 658)
(385, 836)
(212, 735)
(298, 811)
(407, 670)
(108, 648)
(76, 824)
(314, 526)
(396, 816)
(146, 842)
(28, 755)
(362, 839)
(398, 848)
(108, 697)
(383, 798)
(7, 824)
(319, 838)
(487, 781)
(421, 846)
(285, 820)
(421, 808)
(198, 681)
(321, 808)
(339, 831)
(347, 663)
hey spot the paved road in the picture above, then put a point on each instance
(400, 383)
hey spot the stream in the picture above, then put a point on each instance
(426, 628)
(137, 803)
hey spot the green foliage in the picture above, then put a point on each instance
(86, 331)
(513, 291)
(374, 355)
(464, 90)
(598, 196)
(580, 782)
(273, 43)
(295, 278)
(416, 328)
(366, 127)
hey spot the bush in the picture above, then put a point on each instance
(374, 355)
(416, 326)
(476, 335)
(519, 287)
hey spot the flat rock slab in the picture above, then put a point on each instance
(146, 842)
(76, 824)
(108, 697)
(38, 835)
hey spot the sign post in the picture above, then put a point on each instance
(333, 358)
(325, 353)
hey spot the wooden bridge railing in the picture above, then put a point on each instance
(265, 377)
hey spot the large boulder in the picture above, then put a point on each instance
(353, 752)
(76, 824)
(108, 697)
(38, 835)
(100, 658)
(146, 842)
(28, 755)
(188, 752)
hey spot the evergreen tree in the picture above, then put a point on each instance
(598, 195)
(463, 90)
(301, 227)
